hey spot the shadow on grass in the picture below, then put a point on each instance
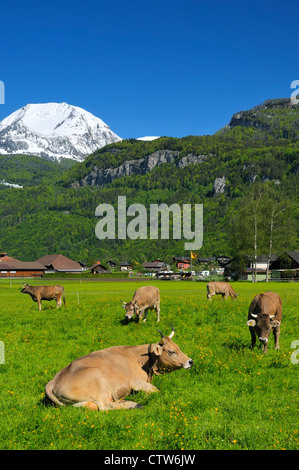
(46, 402)
(125, 321)
(237, 345)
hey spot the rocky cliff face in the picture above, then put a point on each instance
(219, 185)
(278, 118)
(102, 177)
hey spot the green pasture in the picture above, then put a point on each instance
(232, 398)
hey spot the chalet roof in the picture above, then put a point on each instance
(208, 259)
(5, 258)
(258, 270)
(262, 258)
(99, 268)
(154, 264)
(60, 263)
(280, 260)
(97, 265)
(294, 255)
(181, 258)
(22, 266)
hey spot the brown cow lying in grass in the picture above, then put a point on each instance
(103, 378)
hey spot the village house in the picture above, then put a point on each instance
(4, 258)
(11, 267)
(260, 268)
(112, 264)
(98, 268)
(155, 266)
(286, 263)
(59, 263)
(182, 262)
(125, 266)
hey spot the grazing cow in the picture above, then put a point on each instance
(264, 316)
(223, 288)
(145, 298)
(39, 293)
(103, 378)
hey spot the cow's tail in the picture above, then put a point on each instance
(50, 394)
(63, 298)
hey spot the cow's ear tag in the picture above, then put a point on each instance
(158, 350)
(251, 323)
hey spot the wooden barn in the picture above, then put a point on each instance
(21, 269)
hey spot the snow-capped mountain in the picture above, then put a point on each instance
(147, 138)
(53, 131)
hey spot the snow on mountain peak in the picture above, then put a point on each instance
(54, 130)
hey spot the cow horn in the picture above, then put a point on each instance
(272, 316)
(253, 316)
(172, 333)
(162, 336)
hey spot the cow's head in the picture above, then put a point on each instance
(131, 308)
(235, 295)
(25, 288)
(168, 355)
(263, 324)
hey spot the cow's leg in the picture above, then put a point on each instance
(145, 387)
(253, 337)
(145, 314)
(276, 333)
(140, 314)
(39, 304)
(117, 405)
(157, 308)
(209, 296)
(58, 301)
(121, 405)
(91, 405)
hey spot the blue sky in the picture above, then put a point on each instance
(170, 68)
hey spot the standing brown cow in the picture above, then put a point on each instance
(39, 293)
(145, 298)
(102, 379)
(223, 288)
(264, 316)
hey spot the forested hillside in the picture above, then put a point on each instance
(29, 170)
(58, 216)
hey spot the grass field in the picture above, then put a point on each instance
(232, 398)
